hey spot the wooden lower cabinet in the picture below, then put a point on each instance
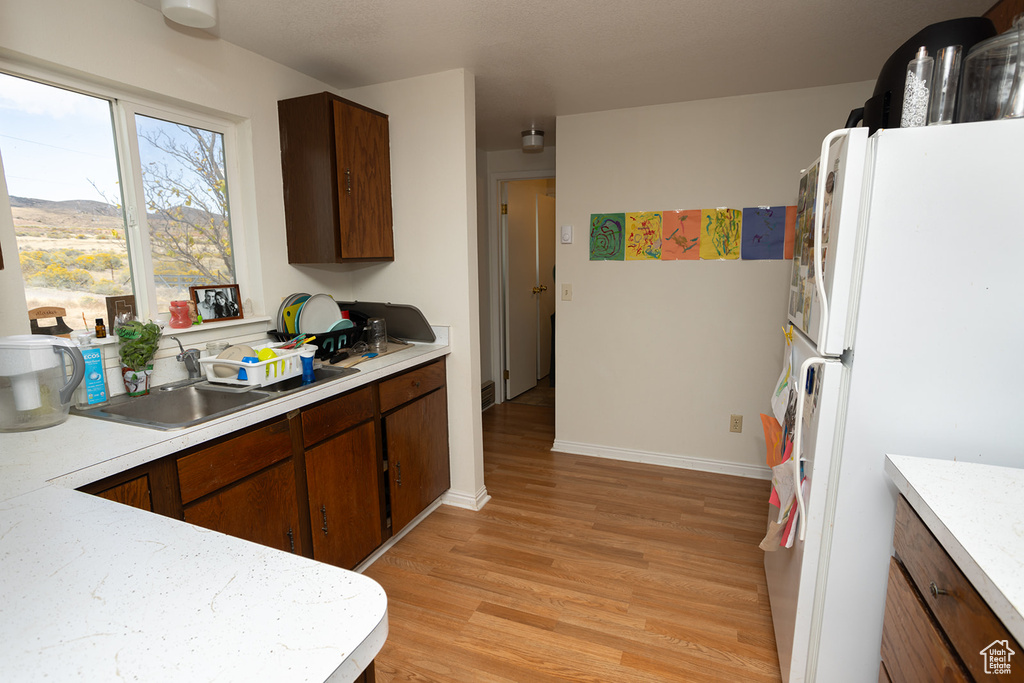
(134, 492)
(937, 626)
(343, 476)
(312, 482)
(261, 509)
(416, 443)
(913, 647)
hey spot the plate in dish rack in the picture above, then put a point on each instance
(318, 314)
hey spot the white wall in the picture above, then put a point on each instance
(483, 261)
(130, 47)
(653, 357)
(433, 175)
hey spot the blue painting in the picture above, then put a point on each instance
(764, 233)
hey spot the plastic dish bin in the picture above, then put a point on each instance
(285, 366)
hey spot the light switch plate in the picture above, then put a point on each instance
(566, 234)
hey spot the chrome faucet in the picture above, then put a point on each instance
(191, 360)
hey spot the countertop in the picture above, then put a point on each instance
(977, 513)
(96, 590)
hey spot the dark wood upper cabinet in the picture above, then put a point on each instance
(336, 163)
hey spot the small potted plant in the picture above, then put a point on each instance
(137, 344)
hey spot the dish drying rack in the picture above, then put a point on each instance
(263, 373)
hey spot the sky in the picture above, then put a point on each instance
(53, 142)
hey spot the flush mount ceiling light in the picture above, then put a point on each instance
(194, 13)
(533, 140)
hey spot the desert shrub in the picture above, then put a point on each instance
(57, 275)
(107, 287)
(99, 261)
(30, 263)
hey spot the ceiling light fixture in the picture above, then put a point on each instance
(533, 140)
(194, 13)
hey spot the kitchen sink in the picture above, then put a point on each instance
(184, 404)
(294, 384)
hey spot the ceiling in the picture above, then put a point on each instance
(538, 59)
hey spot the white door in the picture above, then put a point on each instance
(827, 242)
(546, 238)
(521, 301)
(792, 573)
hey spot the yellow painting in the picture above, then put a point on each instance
(643, 236)
(720, 231)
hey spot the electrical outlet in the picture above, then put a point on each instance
(736, 423)
(566, 292)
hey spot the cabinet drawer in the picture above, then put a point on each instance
(967, 620)
(395, 392)
(336, 415)
(913, 649)
(213, 468)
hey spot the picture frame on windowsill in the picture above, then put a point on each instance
(216, 303)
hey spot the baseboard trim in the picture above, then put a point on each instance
(669, 460)
(465, 501)
(376, 554)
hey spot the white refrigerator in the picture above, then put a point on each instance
(907, 300)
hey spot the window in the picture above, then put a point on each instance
(110, 197)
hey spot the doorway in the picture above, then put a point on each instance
(527, 229)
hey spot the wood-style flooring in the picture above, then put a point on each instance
(581, 569)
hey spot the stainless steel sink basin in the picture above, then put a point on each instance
(185, 404)
(183, 407)
(325, 373)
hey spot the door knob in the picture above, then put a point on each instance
(541, 288)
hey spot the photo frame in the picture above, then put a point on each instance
(120, 305)
(217, 303)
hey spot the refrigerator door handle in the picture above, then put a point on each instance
(801, 396)
(819, 220)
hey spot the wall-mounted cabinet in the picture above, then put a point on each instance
(336, 163)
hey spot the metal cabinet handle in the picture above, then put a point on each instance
(416, 384)
(936, 591)
(541, 288)
(398, 467)
(323, 512)
(348, 181)
(291, 539)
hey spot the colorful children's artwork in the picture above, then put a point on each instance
(607, 236)
(643, 236)
(680, 235)
(764, 233)
(720, 233)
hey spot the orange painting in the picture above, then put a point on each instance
(680, 235)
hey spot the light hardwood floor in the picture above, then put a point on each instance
(581, 569)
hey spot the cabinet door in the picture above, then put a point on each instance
(343, 475)
(913, 649)
(134, 492)
(364, 182)
(261, 509)
(417, 446)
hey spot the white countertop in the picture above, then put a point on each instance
(977, 513)
(95, 590)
